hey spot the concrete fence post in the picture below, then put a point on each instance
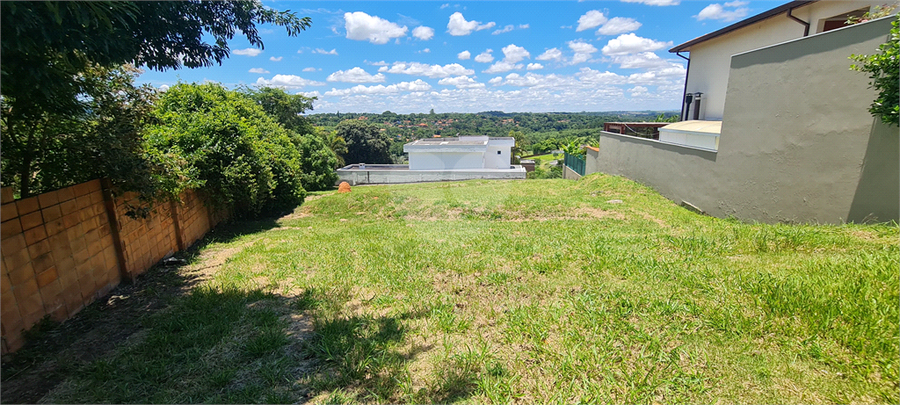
(110, 203)
(176, 221)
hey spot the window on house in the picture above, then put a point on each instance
(839, 21)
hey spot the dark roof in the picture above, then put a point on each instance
(741, 24)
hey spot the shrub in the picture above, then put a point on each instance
(884, 72)
(230, 146)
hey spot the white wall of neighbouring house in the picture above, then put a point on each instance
(798, 143)
(445, 160)
(497, 157)
(711, 60)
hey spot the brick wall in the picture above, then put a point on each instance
(61, 250)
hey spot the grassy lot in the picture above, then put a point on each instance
(544, 160)
(549, 291)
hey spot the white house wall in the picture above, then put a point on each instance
(711, 60)
(445, 160)
(798, 143)
(497, 157)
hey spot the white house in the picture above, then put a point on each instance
(465, 152)
(442, 159)
(709, 63)
(781, 131)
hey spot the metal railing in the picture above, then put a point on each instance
(576, 163)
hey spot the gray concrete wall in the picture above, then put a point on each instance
(570, 174)
(798, 143)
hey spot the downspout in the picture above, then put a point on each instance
(805, 24)
(687, 73)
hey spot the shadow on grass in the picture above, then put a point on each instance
(54, 351)
(361, 358)
(364, 358)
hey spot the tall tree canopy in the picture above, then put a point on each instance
(45, 45)
(284, 107)
(365, 143)
(55, 150)
(59, 80)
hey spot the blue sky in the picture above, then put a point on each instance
(476, 56)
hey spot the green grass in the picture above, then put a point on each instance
(543, 161)
(535, 291)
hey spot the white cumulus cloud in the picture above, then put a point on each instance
(513, 53)
(363, 27)
(324, 52)
(505, 29)
(583, 51)
(638, 91)
(423, 33)
(355, 75)
(417, 86)
(551, 54)
(461, 82)
(485, 57)
(655, 2)
(643, 60)
(258, 70)
(735, 11)
(423, 69)
(630, 43)
(534, 66)
(590, 20)
(247, 52)
(618, 25)
(503, 66)
(274, 59)
(458, 26)
(509, 28)
(309, 69)
(464, 55)
(287, 81)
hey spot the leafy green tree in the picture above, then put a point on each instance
(884, 72)
(575, 147)
(317, 163)
(521, 146)
(365, 143)
(334, 142)
(52, 52)
(45, 45)
(54, 150)
(284, 108)
(230, 146)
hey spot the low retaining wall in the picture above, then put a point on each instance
(63, 249)
(570, 174)
(394, 174)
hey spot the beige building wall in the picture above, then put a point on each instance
(797, 145)
(710, 60)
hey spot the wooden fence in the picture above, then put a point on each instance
(64, 249)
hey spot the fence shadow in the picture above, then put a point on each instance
(53, 349)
